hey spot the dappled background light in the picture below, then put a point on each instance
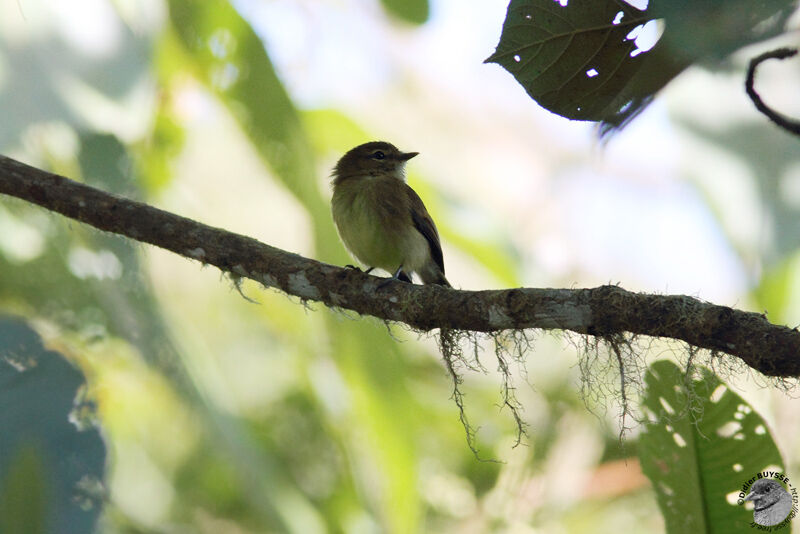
(222, 415)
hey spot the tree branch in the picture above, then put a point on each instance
(603, 311)
(749, 85)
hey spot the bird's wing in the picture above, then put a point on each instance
(424, 224)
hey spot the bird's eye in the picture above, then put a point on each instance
(378, 155)
(768, 489)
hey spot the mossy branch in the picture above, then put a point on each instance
(604, 311)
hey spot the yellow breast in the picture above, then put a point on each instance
(373, 218)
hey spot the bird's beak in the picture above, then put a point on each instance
(405, 156)
(750, 496)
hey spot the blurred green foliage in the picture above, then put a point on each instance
(223, 416)
(412, 11)
(224, 52)
(52, 458)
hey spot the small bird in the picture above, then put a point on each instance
(381, 220)
(772, 503)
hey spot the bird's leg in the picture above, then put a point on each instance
(401, 275)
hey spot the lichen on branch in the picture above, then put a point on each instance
(604, 311)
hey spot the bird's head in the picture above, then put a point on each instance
(376, 158)
(764, 493)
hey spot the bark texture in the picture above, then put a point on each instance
(604, 311)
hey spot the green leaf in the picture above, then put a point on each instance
(83, 279)
(702, 444)
(331, 131)
(230, 59)
(413, 11)
(772, 158)
(774, 293)
(580, 59)
(157, 151)
(23, 497)
(226, 55)
(52, 463)
(387, 417)
(493, 253)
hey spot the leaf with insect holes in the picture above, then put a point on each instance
(587, 60)
(701, 444)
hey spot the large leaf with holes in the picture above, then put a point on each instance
(581, 60)
(702, 444)
(52, 464)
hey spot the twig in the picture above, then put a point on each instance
(779, 119)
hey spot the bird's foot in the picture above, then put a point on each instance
(348, 266)
(399, 276)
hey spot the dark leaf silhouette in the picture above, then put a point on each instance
(582, 60)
